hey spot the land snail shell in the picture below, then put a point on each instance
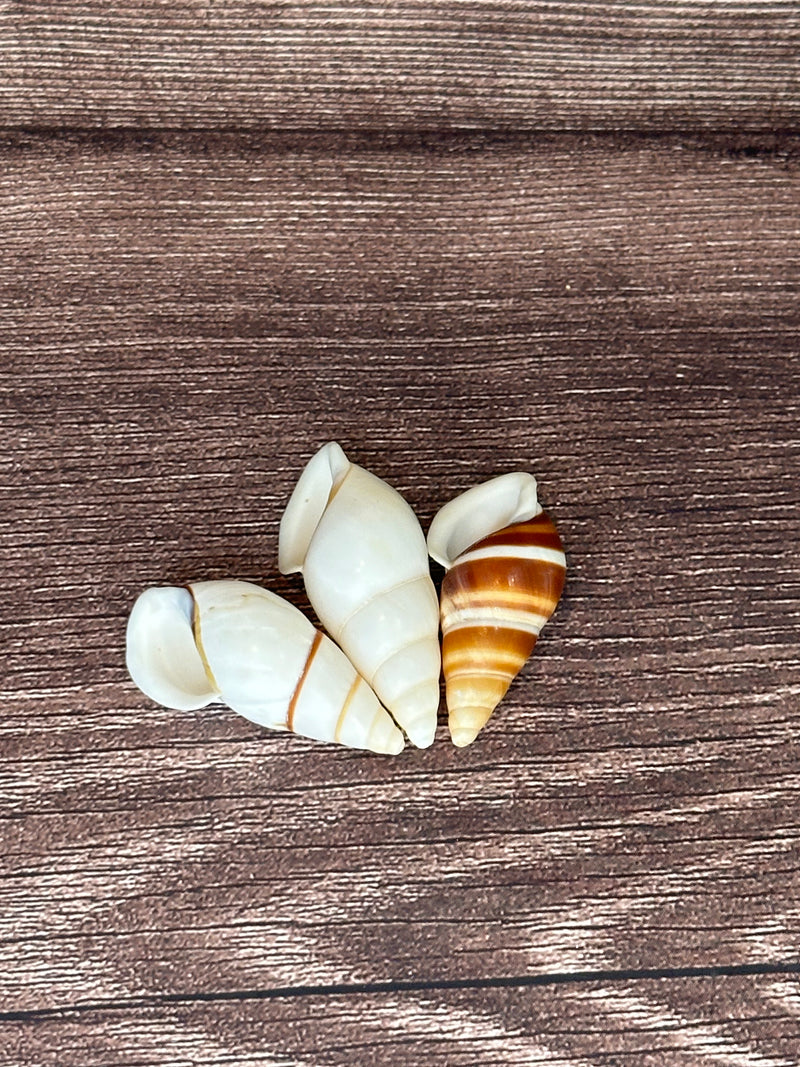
(239, 643)
(365, 565)
(505, 572)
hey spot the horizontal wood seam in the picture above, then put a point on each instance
(361, 988)
(750, 140)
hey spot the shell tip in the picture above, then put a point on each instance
(417, 712)
(466, 723)
(395, 745)
(384, 737)
(462, 736)
(421, 735)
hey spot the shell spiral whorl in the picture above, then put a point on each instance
(364, 561)
(236, 642)
(497, 595)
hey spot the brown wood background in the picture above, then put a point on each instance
(460, 238)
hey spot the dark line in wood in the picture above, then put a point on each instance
(748, 143)
(260, 734)
(361, 988)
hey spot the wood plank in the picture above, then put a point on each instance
(750, 1022)
(313, 64)
(184, 320)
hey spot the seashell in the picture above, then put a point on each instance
(505, 573)
(365, 563)
(235, 642)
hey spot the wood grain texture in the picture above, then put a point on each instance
(402, 65)
(184, 319)
(688, 1023)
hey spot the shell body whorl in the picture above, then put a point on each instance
(365, 566)
(239, 643)
(497, 594)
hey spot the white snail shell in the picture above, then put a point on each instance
(505, 573)
(239, 643)
(365, 564)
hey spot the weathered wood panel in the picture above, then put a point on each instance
(407, 65)
(183, 320)
(749, 1022)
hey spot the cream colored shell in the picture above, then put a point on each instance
(365, 563)
(239, 643)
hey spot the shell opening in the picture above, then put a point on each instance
(323, 475)
(161, 654)
(481, 511)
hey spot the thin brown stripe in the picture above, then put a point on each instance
(296, 694)
(347, 700)
(198, 640)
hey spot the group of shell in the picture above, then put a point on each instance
(364, 559)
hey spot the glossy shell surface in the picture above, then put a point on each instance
(365, 564)
(497, 594)
(241, 644)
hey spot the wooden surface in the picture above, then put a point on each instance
(610, 874)
(407, 64)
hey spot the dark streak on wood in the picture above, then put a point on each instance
(687, 1022)
(368, 988)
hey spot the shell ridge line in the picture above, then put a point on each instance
(539, 532)
(351, 692)
(492, 604)
(532, 553)
(198, 639)
(464, 621)
(483, 672)
(490, 607)
(401, 651)
(303, 675)
(381, 592)
(335, 487)
(470, 658)
(376, 721)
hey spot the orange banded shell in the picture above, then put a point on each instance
(496, 596)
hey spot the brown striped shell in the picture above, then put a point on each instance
(496, 598)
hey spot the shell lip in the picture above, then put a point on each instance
(322, 476)
(161, 653)
(480, 511)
